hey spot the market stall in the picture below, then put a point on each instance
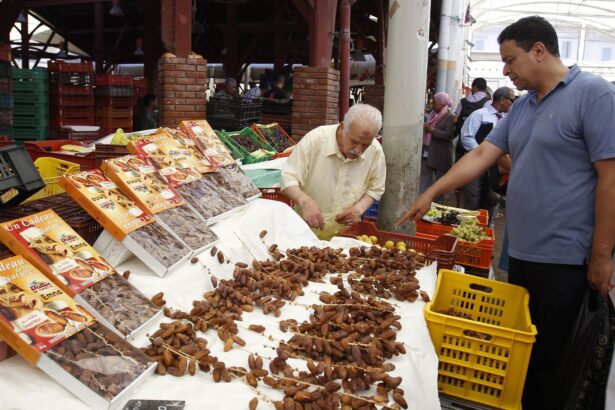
(240, 241)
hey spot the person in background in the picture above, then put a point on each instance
(336, 171)
(561, 190)
(254, 91)
(477, 195)
(145, 113)
(277, 92)
(467, 105)
(229, 88)
(438, 135)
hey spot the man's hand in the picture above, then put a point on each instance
(416, 210)
(348, 216)
(311, 213)
(599, 274)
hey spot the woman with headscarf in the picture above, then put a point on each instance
(438, 136)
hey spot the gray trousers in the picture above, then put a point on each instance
(472, 194)
(429, 175)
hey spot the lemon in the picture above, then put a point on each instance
(400, 243)
(373, 239)
(402, 248)
(389, 244)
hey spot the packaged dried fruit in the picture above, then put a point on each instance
(98, 367)
(74, 266)
(136, 230)
(208, 142)
(137, 177)
(233, 176)
(53, 332)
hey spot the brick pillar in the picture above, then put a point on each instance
(181, 87)
(374, 95)
(315, 99)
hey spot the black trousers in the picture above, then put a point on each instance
(556, 293)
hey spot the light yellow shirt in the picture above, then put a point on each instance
(318, 167)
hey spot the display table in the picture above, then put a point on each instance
(24, 387)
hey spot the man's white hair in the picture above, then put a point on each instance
(366, 112)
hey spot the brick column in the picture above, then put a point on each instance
(181, 88)
(315, 99)
(374, 95)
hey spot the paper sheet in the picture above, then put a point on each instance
(24, 387)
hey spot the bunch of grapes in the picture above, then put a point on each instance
(470, 231)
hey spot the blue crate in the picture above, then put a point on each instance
(372, 213)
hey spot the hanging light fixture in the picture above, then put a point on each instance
(21, 18)
(139, 49)
(62, 53)
(116, 10)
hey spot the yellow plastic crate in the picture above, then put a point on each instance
(485, 359)
(51, 170)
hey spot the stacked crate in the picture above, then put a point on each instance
(114, 102)
(71, 96)
(6, 100)
(31, 110)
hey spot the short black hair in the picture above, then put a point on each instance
(501, 92)
(148, 98)
(530, 30)
(480, 83)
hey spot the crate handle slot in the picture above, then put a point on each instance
(480, 336)
(481, 288)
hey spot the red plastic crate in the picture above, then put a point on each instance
(474, 255)
(440, 249)
(114, 122)
(68, 89)
(71, 112)
(437, 229)
(63, 66)
(110, 79)
(113, 112)
(275, 194)
(72, 100)
(115, 102)
(51, 148)
(256, 129)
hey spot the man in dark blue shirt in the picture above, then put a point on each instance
(561, 226)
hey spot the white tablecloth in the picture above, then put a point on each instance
(24, 387)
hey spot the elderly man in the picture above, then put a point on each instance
(561, 190)
(228, 89)
(336, 171)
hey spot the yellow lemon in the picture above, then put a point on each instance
(400, 243)
(389, 244)
(373, 239)
(402, 248)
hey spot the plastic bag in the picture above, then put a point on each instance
(586, 358)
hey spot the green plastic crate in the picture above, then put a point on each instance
(38, 73)
(31, 98)
(236, 151)
(249, 133)
(34, 121)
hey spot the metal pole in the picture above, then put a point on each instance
(25, 41)
(404, 106)
(345, 56)
(443, 45)
(454, 53)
